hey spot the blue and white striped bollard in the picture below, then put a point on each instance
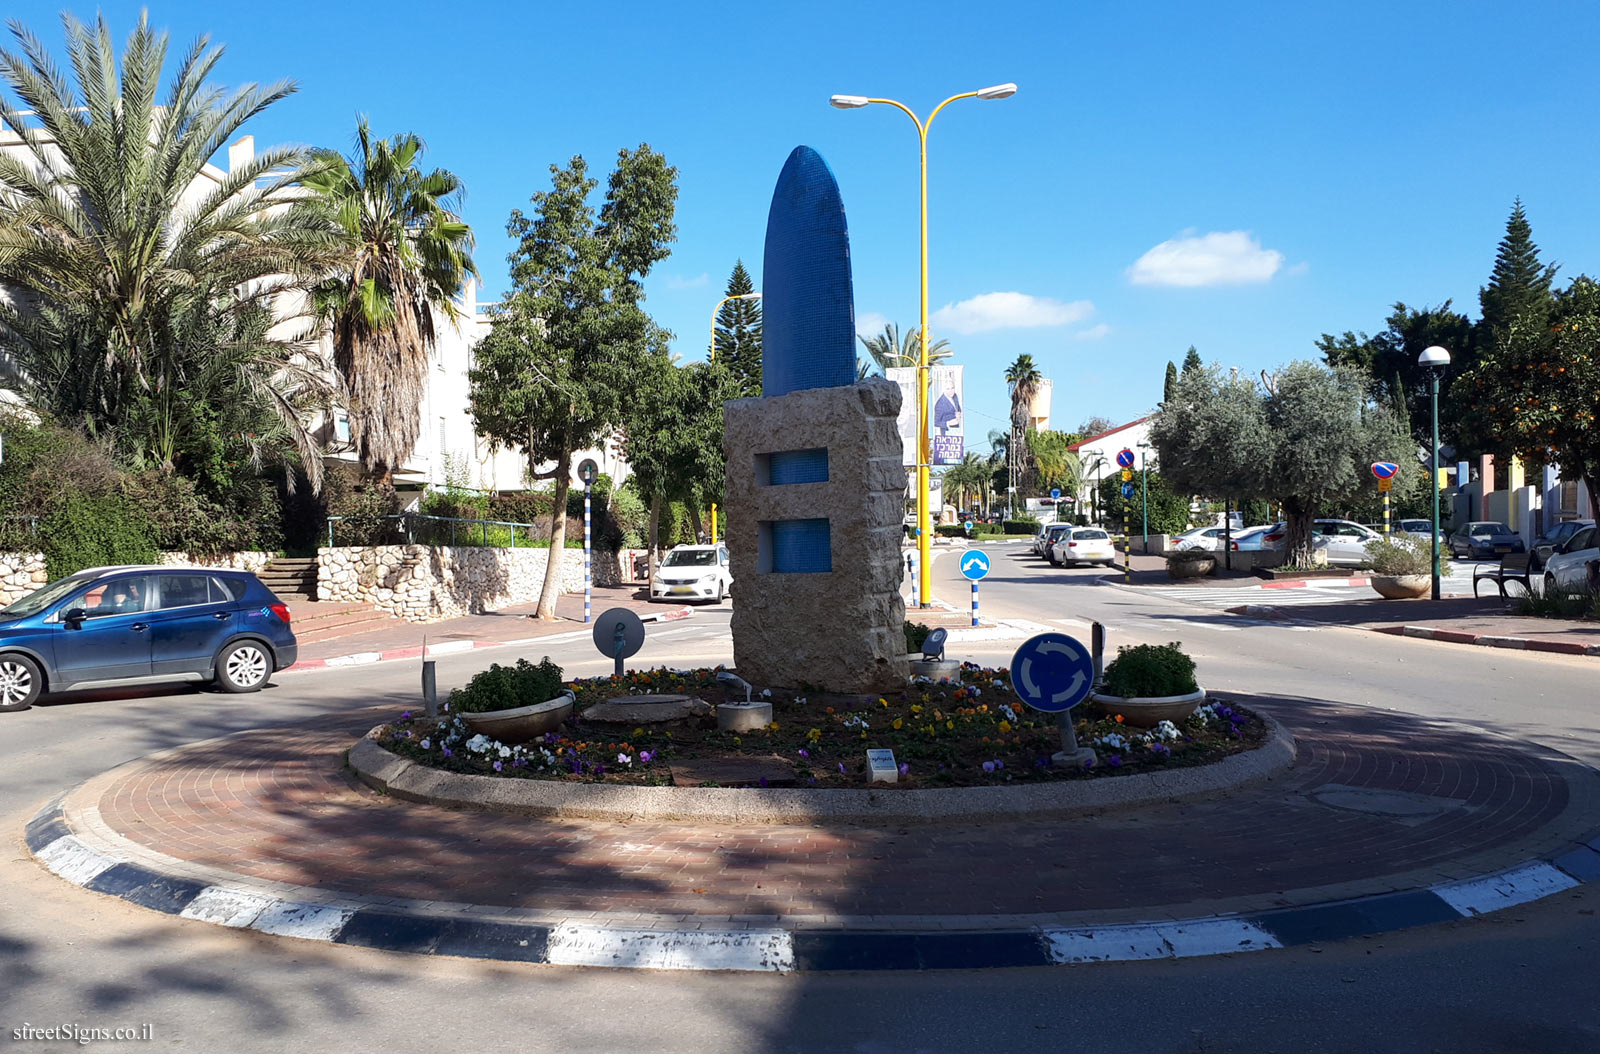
(974, 603)
(588, 577)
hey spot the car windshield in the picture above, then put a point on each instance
(690, 558)
(1481, 529)
(40, 599)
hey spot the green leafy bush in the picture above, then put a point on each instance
(363, 505)
(1148, 671)
(85, 531)
(1405, 554)
(916, 633)
(508, 687)
(951, 531)
(1022, 525)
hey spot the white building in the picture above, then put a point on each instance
(1098, 454)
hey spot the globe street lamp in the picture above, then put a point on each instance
(1435, 359)
(724, 300)
(924, 458)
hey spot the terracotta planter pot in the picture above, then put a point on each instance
(524, 722)
(1402, 587)
(1148, 713)
(1192, 566)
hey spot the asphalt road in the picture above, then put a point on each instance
(1521, 981)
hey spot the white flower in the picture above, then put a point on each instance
(1112, 740)
(1167, 730)
(1011, 715)
(425, 744)
(478, 744)
(766, 693)
(623, 759)
(504, 751)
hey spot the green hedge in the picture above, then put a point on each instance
(95, 532)
(1021, 526)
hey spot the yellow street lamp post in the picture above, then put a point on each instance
(724, 300)
(924, 454)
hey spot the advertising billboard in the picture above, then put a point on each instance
(946, 413)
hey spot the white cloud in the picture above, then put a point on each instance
(871, 323)
(677, 281)
(1008, 311)
(1217, 258)
(1092, 333)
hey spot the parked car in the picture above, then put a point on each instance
(693, 572)
(1577, 566)
(1422, 527)
(122, 623)
(1554, 541)
(1198, 538)
(1083, 545)
(1345, 541)
(1251, 538)
(1048, 533)
(1485, 540)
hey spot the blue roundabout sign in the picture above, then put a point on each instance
(1052, 672)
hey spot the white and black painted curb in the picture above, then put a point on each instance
(592, 943)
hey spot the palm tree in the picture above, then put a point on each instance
(410, 255)
(890, 350)
(135, 277)
(1023, 376)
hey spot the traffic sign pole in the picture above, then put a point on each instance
(974, 603)
(1125, 459)
(588, 566)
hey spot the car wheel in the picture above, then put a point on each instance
(722, 592)
(1550, 586)
(243, 667)
(21, 682)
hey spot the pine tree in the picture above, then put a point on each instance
(1191, 361)
(1171, 381)
(1519, 285)
(738, 333)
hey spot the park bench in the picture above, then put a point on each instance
(1513, 568)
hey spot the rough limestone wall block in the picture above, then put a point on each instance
(421, 583)
(21, 574)
(842, 630)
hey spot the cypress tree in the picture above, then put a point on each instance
(738, 333)
(1170, 382)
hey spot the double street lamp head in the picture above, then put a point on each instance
(848, 102)
(998, 91)
(855, 102)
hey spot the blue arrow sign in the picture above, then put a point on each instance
(1055, 492)
(1052, 672)
(974, 564)
(1125, 458)
(1127, 490)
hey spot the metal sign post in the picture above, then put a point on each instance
(587, 472)
(1054, 673)
(1125, 459)
(1385, 471)
(975, 565)
(618, 633)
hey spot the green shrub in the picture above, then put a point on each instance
(986, 528)
(916, 633)
(1564, 602)
(1147, 671)
(87, 531)
(1022, 525)
(630, 514)
(950, 531)
(508, 687)
(1405, 554)
(363, 504)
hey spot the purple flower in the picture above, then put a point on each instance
(448, 753)
(988, 766)
(645, 755)
(599, 770)
(764, 781)
(804, 752)
(497, 766)
(841, 768)
(1115, 761)
(447, 707)
(905, 769)
(999, 764)
(405, 715)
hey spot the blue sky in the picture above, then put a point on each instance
(1241, 177)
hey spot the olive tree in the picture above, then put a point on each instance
(1302, 438)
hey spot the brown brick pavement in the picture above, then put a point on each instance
(278, 806)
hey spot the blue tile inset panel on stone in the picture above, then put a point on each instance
(799, 466)
(807, 303)
(801, 546)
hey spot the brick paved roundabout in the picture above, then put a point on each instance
(1383, 821)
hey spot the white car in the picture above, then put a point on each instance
(1199, 538)
(1048, 533)
(693, 572)
(1577, 566)
(1083, 545)
(1345, 541)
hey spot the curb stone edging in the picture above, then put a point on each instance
(402, 778)
(462, 930)
(1559, 647)
(363, 658)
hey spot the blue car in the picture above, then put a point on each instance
(122, 623)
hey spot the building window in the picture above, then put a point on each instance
(443, 449)
(341, 427)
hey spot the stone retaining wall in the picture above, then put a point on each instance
(421, 583)
(22, 573)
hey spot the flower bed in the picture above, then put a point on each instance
(969, 732)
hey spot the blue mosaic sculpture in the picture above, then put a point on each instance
(807, 300)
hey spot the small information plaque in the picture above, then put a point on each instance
(881, 765)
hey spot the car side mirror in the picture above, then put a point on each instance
(74, 615)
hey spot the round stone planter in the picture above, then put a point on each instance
(1148, 713)
(524, 722)
(1402, 587)
(937, 669)
(1197, 566)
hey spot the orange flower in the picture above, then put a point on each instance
(1119, 719)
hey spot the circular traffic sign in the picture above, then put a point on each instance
(1055, 492)
(974, 564)
(967, 526)
(1127, 490)
(1385, 469)
(618, 627)
(1125, 457)
(1052, 672)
